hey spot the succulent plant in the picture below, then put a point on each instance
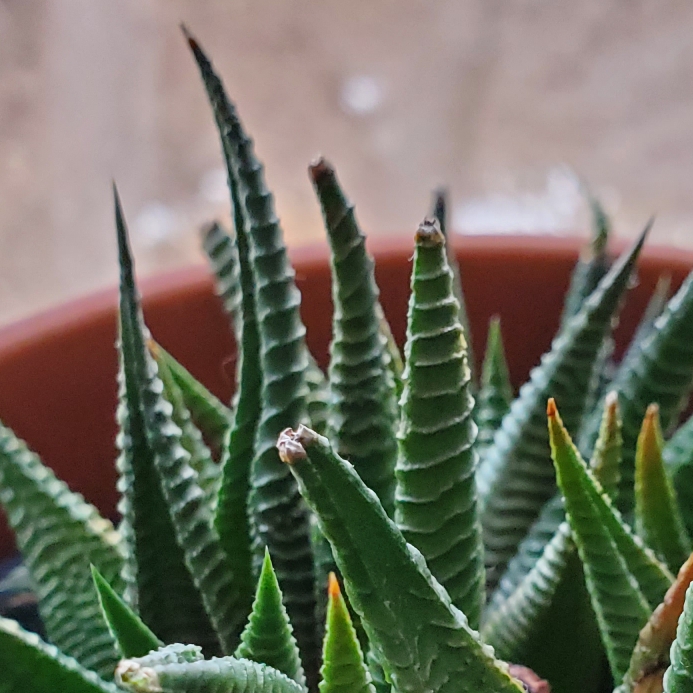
(442, 536)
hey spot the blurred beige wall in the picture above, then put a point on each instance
(506, 102)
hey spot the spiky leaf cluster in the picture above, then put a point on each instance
(471, 546)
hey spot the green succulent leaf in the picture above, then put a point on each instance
(133, 637)
(592, 265)
(318, 401)
(223, 254)
(678, 678)
(182, 670)
(208, 471)
(655, 307)
(343, 668)
(440, 212)
(436, 505)
(541, 608)
(363, 408)
(514, 478)
(660, 372)
(657, 517)
(619, 605)
(422, 640)
(495, 391)
(678, 462)
(279, 519)
(651, 654)
(210, 415)
(185, 503)
(268, 636)
(60, 536)
(30, 665)
(232, 267)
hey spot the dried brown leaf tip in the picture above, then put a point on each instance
(551, 409)
(291, 444)
(319, 169)
(333, 589)
(530, 680)
(429, 234)
(651, 655)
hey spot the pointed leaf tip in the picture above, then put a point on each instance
(551, 410)
(429, 233)
(320, 168)
(333, 588)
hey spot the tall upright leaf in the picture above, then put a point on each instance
(678, 462)
(495, 390)
(232, 267)
(363, 409)
(541, 608)
(436, 506)
(659, 372)
(59, 536)
(185, 503)
(30, 665)
(422, 640)
(657, 517)
(280, 519)
(620, 606)
(440, 212)
(516, 469)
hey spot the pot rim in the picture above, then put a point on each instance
(72, 314)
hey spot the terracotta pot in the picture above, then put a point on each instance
(57, 370)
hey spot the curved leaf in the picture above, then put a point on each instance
(423, 641)
(30, 665)
(657, 518)
(678, 461)
(268, 637)
(280, 520)
(678, 678)
(343, 669)
(133, 637)
(436, 506)
(515, 469)
(60, 536)
(183, 499)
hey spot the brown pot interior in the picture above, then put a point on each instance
(57, 370)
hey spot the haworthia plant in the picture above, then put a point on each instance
(515, 470)
(436, 491)
(207, 498)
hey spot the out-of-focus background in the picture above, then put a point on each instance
(510, 104)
